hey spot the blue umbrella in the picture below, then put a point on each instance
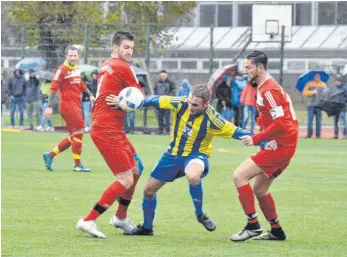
(309, 76)
(31, 63)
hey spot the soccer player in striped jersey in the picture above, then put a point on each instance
(195, 123)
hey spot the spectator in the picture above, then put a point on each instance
(94, 83)
(340, 90)
(32, 96)
(16, 91)
(311, 90)
(185, 88)
(237, 86)
(248, 101)
(164, 87)
(223, 93)
(86, 105)
(45, 91)
(3, 98)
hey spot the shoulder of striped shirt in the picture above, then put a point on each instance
(214, 117)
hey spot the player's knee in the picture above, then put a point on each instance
(238, 178)
(259, 191)
(148, 192)
(193, 179)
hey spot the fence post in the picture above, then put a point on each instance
(86, 43)
(148, 43)
(211, 50)
(22, 41)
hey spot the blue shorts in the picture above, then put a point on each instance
(171, 167)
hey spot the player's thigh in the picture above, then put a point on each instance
(246, 171)
(196, 167)
(168, 168)
(73, 120)
(116, 152)
(261, 185)
(152, 186)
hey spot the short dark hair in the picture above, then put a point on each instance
(71, 47)
(258, 58)
(121, 35)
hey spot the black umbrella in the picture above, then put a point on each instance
(331, 101)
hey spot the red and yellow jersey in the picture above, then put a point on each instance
(276, 115)
(70, 84)
(114, 75)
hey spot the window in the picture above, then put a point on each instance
(245, 15)
(206, 65)
(169, 65)
(342, 12)
(327, 13)
(225, 12)
(188, 65)
(303, 14)
(207, 15)
(296, 65)
(274, 65)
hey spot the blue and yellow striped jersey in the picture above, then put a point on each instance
(193, 133)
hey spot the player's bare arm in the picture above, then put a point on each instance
(49, 109)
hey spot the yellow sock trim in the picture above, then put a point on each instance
(56, 150)
(76, 156)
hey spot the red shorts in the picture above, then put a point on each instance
(116, 150)
(273, 163)
(73, 119)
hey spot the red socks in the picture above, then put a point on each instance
(77, 148)
(246, 198)
(125, 200)
(268, 207)
(114, 191)
(62, 146)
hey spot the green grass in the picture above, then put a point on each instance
(40, 209)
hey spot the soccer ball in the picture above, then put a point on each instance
(130, 99)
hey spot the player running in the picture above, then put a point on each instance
(195, 124)
(277, 118)
(108, 136)
(68, 80)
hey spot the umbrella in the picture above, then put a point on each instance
(44, 74)
(30, 63)
(309, 76)
(218, 76)
(331, 101)
(88, 69)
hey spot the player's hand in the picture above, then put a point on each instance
(272, 145)
(247, 140)
(92, 99)
(112, 101)
(48, 112)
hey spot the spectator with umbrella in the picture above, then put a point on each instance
(309, 84)
(32, 95)
(45, 91)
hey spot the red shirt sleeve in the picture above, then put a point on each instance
(57, 80)
(273, 101)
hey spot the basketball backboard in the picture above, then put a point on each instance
(267, 22)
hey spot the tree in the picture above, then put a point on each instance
(51, 26)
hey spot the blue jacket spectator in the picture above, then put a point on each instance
(185, 88)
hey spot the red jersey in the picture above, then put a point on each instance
(114, 75)
(70, 84)
(276, 115)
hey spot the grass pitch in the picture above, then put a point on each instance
(40, 208)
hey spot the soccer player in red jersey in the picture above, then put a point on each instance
(108, 136)
(277, 117)
(68, 80)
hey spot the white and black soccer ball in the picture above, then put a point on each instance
(130, 99)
